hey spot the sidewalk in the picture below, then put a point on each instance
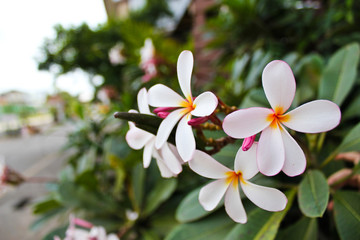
(35, 155)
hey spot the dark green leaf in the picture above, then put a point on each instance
(313, 195)
(60, 232)
(347, 214)
(162, 191)
(46, 206)
(305, 228)
(214, 227)
(351, 141)
(152, 122)
(137, 187)
(340, 73)
(261, 225)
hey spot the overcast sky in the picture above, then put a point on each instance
(24, 25)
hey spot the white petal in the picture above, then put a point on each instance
(163, 96)
(245, 161)
(136, 137)
(205, 104)
(170, 160)
(314, 117)
(165, 172)
(206, 166)
(211, 194)
(266, 198)
(112, 236)
(166, 127)
(279, 85)
(270, 152)
(148, 153)
(142, 101)
(184, 139)
(295, 160)
(244, 123)
(233, 204)
(184, 69)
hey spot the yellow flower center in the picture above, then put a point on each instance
(188, 105)
(277, 117)
(234, 177)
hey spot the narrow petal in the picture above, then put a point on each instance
(279, 85)
(165, 172)
(267, 198)
(206, 166)
(314, 117)
(270, 152)
(211, 194)
(184, 139)
(166, 127)
(171, 161)
(185, 65)
(136, 137)
(295, 160)
(244, 123)
(245, 161)
(148, 152)
(142, 101)
(163, 96)
(233, 204)
(205, 104)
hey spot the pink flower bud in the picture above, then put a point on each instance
(197, 121)
(163, 109)
(163, 114)
(82, 223)
(247, 143)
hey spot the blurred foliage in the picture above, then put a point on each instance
(104, 181)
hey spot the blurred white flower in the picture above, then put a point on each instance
(115, 54)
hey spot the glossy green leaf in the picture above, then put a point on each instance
(305, 228)
(137, 187)
(340, 73)
(190, 209)
(313, 195)
(261, 225)
(351, 141)
(214, 227)
(353, 110)
(347, 214)
(162, 191)
(258, 62)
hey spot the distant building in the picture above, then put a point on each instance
(14, 97)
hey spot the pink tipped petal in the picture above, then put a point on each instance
(233, 204)
(142, 101)
(166, 127)
(148, 152)
(244, 123)
(184, 139)
(270, 152)
(279, 84)
(267, 198)
(185, 65)
(162, 96)
(137, 138)
(170, 159)
(165, 172)
(245, 161)
(314, 117)
(205, 104)
(197, 121)
(211, 194)
(206, 166)
(295, 160)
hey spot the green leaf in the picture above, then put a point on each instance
(137, 187)
(190, 209)
(340, 73)
(45, 206)
(305, 228)
(151, 122)
(162, 191)
(347, 214)
(214, 227)
(313, 195)
(261, 225)
(352, 110)
(351, 141)
(258, 62)
(255, 98)
(60, 232)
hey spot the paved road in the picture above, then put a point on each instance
(36, 155)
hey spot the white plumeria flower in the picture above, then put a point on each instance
(166, 157)
(162, 96)
(277, 149)
(227, 183)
